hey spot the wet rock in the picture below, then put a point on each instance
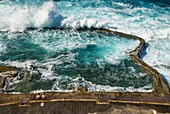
(6, 71)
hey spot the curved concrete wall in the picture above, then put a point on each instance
(159, 86)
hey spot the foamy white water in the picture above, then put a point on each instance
(19, 18)
(148, 22)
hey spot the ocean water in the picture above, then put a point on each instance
(148, 19)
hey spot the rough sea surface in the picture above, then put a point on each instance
(41, 54)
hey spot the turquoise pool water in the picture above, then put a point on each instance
(60, 60)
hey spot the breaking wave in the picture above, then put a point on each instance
(19, 18)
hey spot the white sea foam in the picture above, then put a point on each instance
(19, 18)
(158, 56)
(25, 64)
(102, 88)
(47, 74)
(2, 48)
(122, 89)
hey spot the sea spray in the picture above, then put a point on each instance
(20, 17)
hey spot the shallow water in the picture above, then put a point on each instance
(148, 19)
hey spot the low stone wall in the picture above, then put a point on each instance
(160, 88)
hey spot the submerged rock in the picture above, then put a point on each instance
(6, 71)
